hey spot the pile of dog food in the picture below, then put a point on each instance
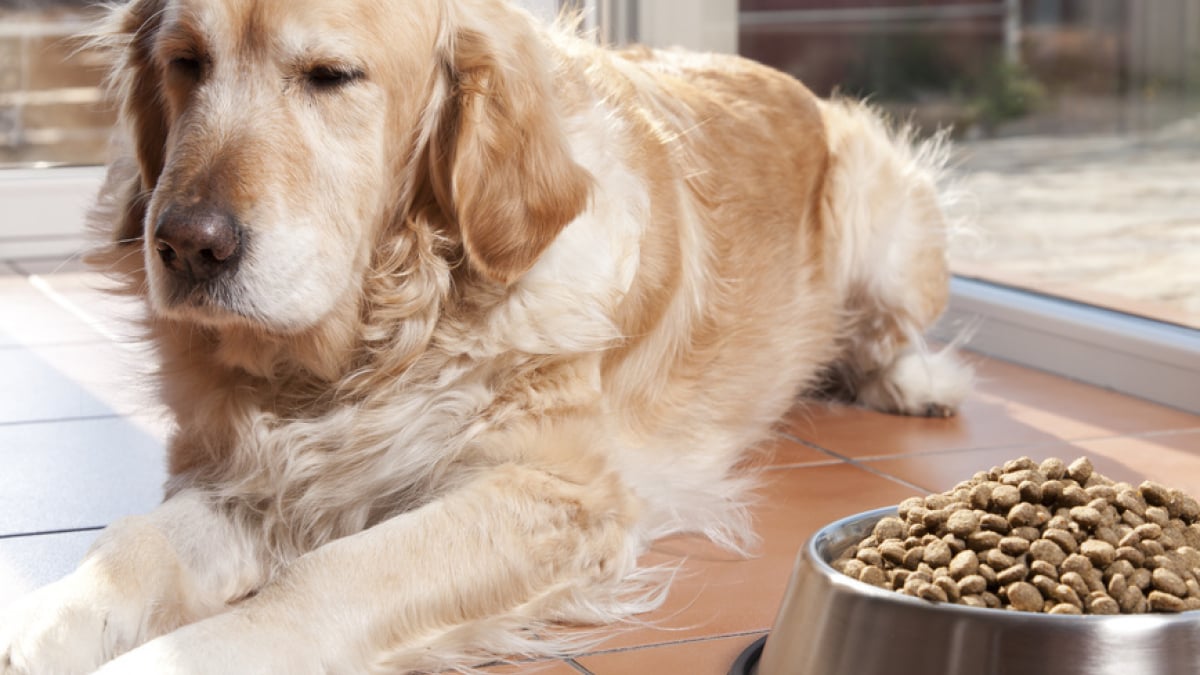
(1040, 538)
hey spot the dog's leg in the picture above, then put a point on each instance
(144, 576)
(420, 588)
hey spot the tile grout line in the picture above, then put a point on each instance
(855, 462)
(69, 530)
(1033, 445)
(39, 282)
(577, 666)
(676, 643)
(57, 420)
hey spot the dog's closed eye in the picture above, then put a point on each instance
(329, 77)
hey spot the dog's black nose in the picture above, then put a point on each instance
(198, 242)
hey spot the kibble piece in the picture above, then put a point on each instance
(1053, 468)
(1165, 602)
(1012, 574)
(1141, 578)
(972, 601)
(873, 575)
(1064, 593)
(1014, 546)
(1031, 491)
(1024, 596)
(988, 573)
(1133, 601)
(1043, 568)
(1064, 539)
(997, 560)
(972, 584)
(1075, 581)
(1073, 495)
(1150, 548)
(937, 553)
(1158, 515)
(949, 588)
(1076, 563)
(963, 522)
(990, 599)
(1051, 491)
(893, 552)
(1101, 553)
(932, 593)
(980, 496)
(1030, 534)
(1168, 581)
(1148, 531)
(1117, 585)
(1004, 497)
(1022, 514)
(1046, 550)
(1132, 555)
(1086, 516)
(1155, 494)
(1044, 584)
(1065, 608)
(1103, 604)
(890, 528)
(1080, 470)
(913, 557)
(982, 541)
(994, 523)
(964, 564)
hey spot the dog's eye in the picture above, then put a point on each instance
(332, 77)
(188, 66)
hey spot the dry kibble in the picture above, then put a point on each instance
(1080, 470)
(1065, 608)
(1103, 605)
(1012, 574)
(1048, 551)
(1004, 497)
(972, 584)
(1165, 602)
(964, 564)
(1053, 468)
(1101, 553)
(1014, 546)
(1024, 597)
(1064, 539)
(961, 523)
(873, 575)
(1086, 516)
(1155, 493)
(1042, 537)
(1168, 581)
(1022, 514)
(983, 540)
(937, 553)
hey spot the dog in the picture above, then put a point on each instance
(456, 313)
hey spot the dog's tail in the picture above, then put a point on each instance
(887, 207)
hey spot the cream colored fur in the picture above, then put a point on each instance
(508, 307)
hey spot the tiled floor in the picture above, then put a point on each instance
(80, 446)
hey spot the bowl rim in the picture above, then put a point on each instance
(849, 583)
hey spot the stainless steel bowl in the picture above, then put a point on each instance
(830, 624)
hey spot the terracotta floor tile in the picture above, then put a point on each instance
(783, 452)
(718, 593)
(1170, 458)
(707, 657)
(1010, 407)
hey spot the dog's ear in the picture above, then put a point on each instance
(127, 35)
(512, 183)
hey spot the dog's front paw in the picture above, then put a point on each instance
(71, 626)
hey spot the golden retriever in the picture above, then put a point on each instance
(456, 314)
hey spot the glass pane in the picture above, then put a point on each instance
(50, 107)
(1077, 125)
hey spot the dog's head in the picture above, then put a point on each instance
(278, 142)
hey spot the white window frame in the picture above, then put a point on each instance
(42, 212)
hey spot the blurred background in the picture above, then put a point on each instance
(1077, 122)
